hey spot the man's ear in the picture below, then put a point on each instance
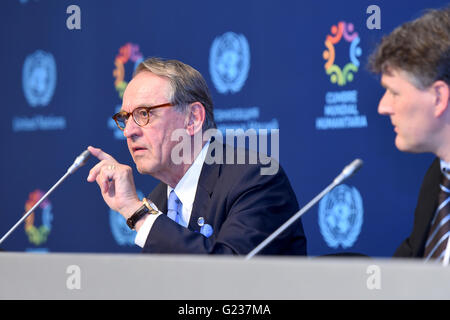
(441, 92)
(195, 118)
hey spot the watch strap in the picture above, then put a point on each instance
(145, 209)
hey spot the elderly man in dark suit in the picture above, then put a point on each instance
(414, 61)
(201, 206)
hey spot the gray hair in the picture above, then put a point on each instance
(188, 85)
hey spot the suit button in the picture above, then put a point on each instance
(201, 221)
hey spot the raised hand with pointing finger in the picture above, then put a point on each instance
(116, 183)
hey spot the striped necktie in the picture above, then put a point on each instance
(440, 226)
(174, 208)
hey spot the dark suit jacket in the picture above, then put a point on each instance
(414, 245)
(242, 206)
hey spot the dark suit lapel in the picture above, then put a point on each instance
(427, 204)
(159, 197)
(205, 187)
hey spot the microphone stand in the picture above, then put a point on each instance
(346, 173)
(79, 161)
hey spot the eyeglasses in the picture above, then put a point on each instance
(140, 115)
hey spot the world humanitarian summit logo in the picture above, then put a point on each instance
(341, 216)
(127, 53)
(342, 33)
(229, 62)
(38, 235)
(39, 78)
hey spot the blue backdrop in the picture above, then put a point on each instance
(296, 66)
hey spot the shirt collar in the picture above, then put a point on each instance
(187, 186)
(445, 168)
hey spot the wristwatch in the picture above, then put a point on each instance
(146, 208)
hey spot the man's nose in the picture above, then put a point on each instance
(131, 128)
(384, 106)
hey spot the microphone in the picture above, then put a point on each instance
(79, 162)
(346, 173)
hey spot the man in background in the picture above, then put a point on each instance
(414, 62)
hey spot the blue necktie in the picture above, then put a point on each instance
(440, 227)
(174, 208)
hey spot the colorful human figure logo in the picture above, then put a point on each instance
(343, 31)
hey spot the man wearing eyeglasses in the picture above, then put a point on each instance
(198, 207)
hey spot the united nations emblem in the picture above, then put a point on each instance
(341, 216)
(39, 78)
(229, 62)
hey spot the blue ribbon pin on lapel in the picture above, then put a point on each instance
(205, 229)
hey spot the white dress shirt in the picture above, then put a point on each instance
(445, 169)
(185, 190)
